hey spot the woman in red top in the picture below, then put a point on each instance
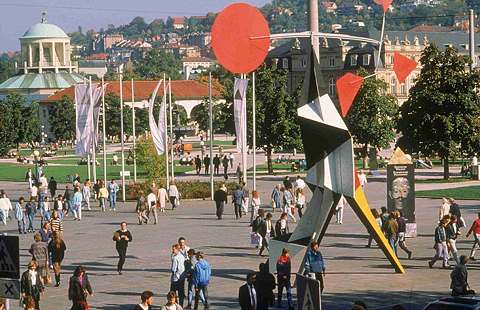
(284, 268)
(476, 230)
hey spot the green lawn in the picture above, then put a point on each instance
(467, 193)
(450, 180)
(216, 143)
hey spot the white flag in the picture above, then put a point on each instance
(157, 130)
(83, 119)
(239, 110)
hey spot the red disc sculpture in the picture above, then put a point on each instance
(233, 38)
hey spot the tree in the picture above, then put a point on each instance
(373, 115)
(20, 122)
(157, 62)
(62, 119)
(201, 114)
(148, 158)
(442, 113)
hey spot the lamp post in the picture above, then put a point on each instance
(42, 142)
(36, 154)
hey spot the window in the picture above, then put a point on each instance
(393, 85)
(331, 61)
(353, 60)
(304, 62)
(285, 63)
(331, 87)
(403, 88)
(390, 60)
(366, 60)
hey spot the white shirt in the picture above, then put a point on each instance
(253, 296)
(300, 183)
(5, 204)
(33, 277)
(341, 202)
(173, 191)
(162, 197)
(151, 200)
(43, 182)
(34, 191)
(143, 307)
(362, 178)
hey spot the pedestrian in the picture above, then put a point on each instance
(184, 248)
(206, 163)
(362, 179)
(475, 229)
(459, 278)
(444, 208)
(238, 200)
(34, 192)
(57, 249)
(58, 206)
(174, 195)
(239, 173)
(56, 224)
(216, 165)
(46, 210)
(147, 301)
(281, 226)
(287, 183)
(20, 216)
(77, 204)
(177, 280)
(455, 210)
(141, 208)
(246, 197)
(452, 234)
(198, 164)
(39, 251)
(299, 183)
(79, 288)
(440, 244)
(162, 197)
(259, 226)
(247, 295)
(29, 177)
(151, 208)
(402, 231)
(96, 189)
(201, 279)
(86, 194)
(225, 167)
(255, 205)
(288, 203)
(45, 232)
(52, 187)
(384, 215)
(339, 210)
(171, 302)
(112, 194)
(378, 220)
(300, 201)
(102, 196)
(276, 197)
(43, 189)
(231, 157)
(31, 285)
(265, 230)
(390, 228)
(30, 211)
(284, 270)
(68, 198)
(189, 268)
(314, 264)
(122, 238)
(220, 198)
(264, 285)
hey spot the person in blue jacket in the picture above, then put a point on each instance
(201, 278)
(314, 264)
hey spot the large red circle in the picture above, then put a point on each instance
(231, 38)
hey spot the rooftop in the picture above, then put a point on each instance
(196, 59)
(44, 30)
(181, 89)
(46, 80)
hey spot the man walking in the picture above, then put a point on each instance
(475, 229)
(440, 244)
(198, 164)
(314, 264)
(206, 162)
(220, 197)
(20, 216)
(216, 165)
(122, 237)
(177, 280)
(162, 198)
(77, 204)
(68, 199)
(247, 295)
(112, 194)
(231, 158)
(225, 167)
(201, 278)
(238, 199)
(152, 208)
(52, 187)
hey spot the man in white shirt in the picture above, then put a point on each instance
(247, 295)
(5, 208)
(362, 179)
(43, 183)
(339, 209)
(162, 197)
(152, 206)
(299, 183)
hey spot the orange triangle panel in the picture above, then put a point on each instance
(347, 88)
(403, 66)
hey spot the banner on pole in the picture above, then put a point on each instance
(239, 108)
(157, 130)
(84, 116)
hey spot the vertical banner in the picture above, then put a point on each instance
(83, 119)
(401, 188)
(157, 130)
(239, 108)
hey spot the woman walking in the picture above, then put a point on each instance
(39, 252)
(102, 195)
(31, 285)
(78, 289)
(57, 249)
(255, 205)
(378, 219)
(276, 197)
(174, 195)
(402, 230)
(300, 201)
(288, 203)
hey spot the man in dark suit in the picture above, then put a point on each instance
(247, 296)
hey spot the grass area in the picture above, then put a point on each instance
(438, 181)
(465, 193)
(216, 143)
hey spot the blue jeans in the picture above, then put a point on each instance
(288, 288)
(393, 244)
(22, 225)
(30, 222)
(201, 292)
(112, 198)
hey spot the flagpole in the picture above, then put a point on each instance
(134, 136)
(94, 141)
(171, 126)
(244, 142)
(254, 140)
(122, 137)
(210, 116)
(165, 129)
(89, 146)
(104, 134)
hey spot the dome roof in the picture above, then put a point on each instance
(44, 30)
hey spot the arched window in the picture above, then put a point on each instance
(393, 85)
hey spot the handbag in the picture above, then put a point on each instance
(255, 239)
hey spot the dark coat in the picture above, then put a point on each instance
(459, 277)
(28, 289)
(244, 298)
(57, 253)
(77, 291)
(264, 286)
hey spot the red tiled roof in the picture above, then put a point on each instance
(196, 59)
(181, 89)
(98, 56)
(178, 20)
(430, 28)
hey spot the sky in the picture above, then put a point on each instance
(16, 16)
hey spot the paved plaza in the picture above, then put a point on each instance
(354, 272)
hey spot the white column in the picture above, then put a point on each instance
(40, 57)
(122, 137)
(254, 141)
(171, 127)
(30, 57)
(165, 128)
(134, 136)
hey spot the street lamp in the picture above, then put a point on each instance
(36, 154)
(43, 135)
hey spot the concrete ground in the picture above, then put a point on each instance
(354, 272)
